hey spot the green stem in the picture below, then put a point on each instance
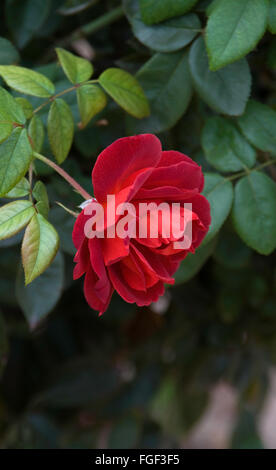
(64, 175)
(250, 170)
(95, 25)
(61, 93)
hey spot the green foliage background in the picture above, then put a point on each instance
(137, 377)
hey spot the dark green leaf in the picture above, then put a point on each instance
(225, 148)
(258, 124)
(167, 84)
(194, 262)
(25, 17)
(169, 36)
(219, 193)
(233, 29)
(40, 297)
(272, 17)
(4, 345)
(254, 212)
(154, 11)
(8, 53)
(227, 90)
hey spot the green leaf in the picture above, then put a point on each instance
(91, 100)
(8, 53)
(4, 345)
(225, 148)
(126, 91)
(169, 36)
(36, 133)
(194, 262)
(76, 69)
(233, 29)
(25, 18)
(258, 124)
(60, 129)
(40, 297)
(10, 110)
(15, 158)
(167, 84)
(154, 11)
(20, 190)
(225, 91)
(219, 192)
(27, 81)
(254, 212)
(26, 106)
(39, 247)
(14, 216)
(10, 113)
(40, 194)
(272, 17)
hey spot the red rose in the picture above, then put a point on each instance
(135, 169)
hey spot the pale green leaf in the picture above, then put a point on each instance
(10, 109)
(15, 216)
(40, 194)
(26, 106)
(15, 158)
(254, 212)
(36, 133)
(60, 129)
(126, 91)
(91, 100)
(225, 148)
(76, 68)
(27, 81)
(227, 90)
(20, 190)
(233, 29)
(39, 247)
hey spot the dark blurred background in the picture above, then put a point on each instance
(195, 369)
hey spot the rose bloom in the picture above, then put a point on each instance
(135, 169)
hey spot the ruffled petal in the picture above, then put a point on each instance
(117, 164)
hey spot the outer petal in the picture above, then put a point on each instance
(91, 295)
(117, 164)
(131, 295)
(78, 234)
(185, 173)
(102, 285)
